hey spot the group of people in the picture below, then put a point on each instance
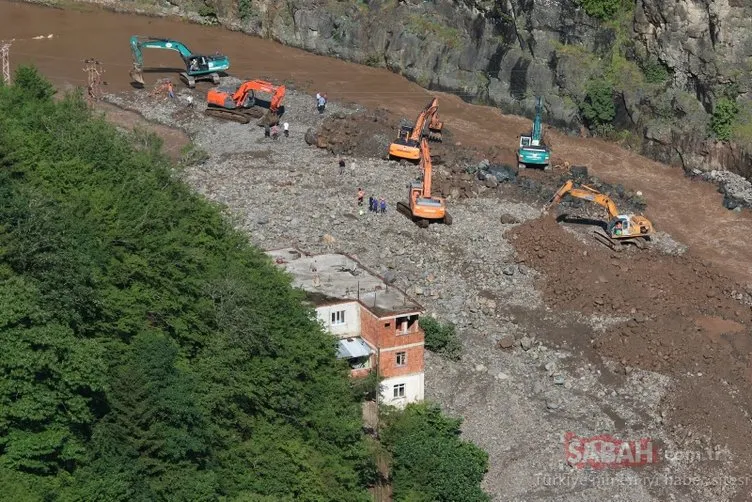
(273, 131)
(374, 205)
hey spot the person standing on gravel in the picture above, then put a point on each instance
(321, 103)
(275, 132)
(286, 129)
(267, 131)
(170, 91)
(341, 167)
(361, 196)
(382, 201)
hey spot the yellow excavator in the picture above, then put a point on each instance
(621, 228)
(423, 207)
(407, 144)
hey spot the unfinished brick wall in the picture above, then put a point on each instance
(414, 362)
(382, 333)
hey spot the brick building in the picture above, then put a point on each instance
(377, 324)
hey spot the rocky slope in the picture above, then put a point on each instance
(668, 63)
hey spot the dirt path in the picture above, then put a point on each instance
(690, 211)
(174, 139)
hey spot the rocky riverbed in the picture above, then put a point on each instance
(533, 367)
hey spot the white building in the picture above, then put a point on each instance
(377, 324)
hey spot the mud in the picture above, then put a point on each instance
(691, 211)
(174, 140)
(686, 319)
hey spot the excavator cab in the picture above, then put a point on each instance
(619, 227)
(407, 144)
(424, 208)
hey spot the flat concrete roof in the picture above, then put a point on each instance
(333, 278)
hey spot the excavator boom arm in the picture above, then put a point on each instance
(585, 193)
(425, 161)
(139, 43)
(278, 92)
(423, 117)
(537, 132)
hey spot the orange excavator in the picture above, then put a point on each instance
(424, 208)
(621, 228)
(407, 144)
(239, 103)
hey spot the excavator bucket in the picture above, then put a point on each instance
(137, 75)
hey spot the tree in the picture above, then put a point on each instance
(150, 353)
(441, 338)
(724, 115)
(430, 461)
(598, 107)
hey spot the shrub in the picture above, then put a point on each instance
(655, 72)
(244, 9)
(441, 338)
(721, 123)
(191, 155)
(598, 106)
(601, 9)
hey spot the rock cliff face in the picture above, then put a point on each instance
(669, 62)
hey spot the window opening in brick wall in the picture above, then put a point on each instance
(401, 358)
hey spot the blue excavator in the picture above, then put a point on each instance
(197, 66)
(532, 150)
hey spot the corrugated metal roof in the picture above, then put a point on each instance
(353, 347)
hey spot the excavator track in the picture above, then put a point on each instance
(404, 209)
(233, 115)
(606, 241)
(242, 116)
(619, 244)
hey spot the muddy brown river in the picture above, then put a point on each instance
(690, 211)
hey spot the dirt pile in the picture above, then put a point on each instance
(681, 317)
(667, 299)
(361, 134)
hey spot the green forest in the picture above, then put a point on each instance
(150, 353)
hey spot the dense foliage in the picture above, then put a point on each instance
(724, 116)
(441, 338)
(430, 461)
(598, 107)
(601, 9)
(148, 353)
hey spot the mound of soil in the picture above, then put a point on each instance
(683, 317)
(361, 134)
(664, 296)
